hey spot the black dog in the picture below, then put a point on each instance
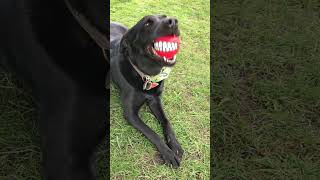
(56, 47)
(133, 59)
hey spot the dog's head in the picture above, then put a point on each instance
(154, 40)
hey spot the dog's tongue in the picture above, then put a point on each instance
(167, 46)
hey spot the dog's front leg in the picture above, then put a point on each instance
(156, 108)
(132, 103)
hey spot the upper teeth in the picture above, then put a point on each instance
(165, 46)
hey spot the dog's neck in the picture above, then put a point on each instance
(147, 66)
(133, 76)
(143, 63)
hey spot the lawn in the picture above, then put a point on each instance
(266, 89)
(186, 97)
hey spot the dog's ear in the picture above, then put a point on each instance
(132, 35)
(129, 39)
(125, 46)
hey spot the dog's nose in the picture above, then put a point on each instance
(172, 22)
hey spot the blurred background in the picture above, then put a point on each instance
(266, 89)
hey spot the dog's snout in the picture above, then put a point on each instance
(172, 22)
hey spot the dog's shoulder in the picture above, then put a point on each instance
(118, 27)
(117, 30)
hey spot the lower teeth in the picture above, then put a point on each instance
(170, 61)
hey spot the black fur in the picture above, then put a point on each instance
(132, 44)
(43, 43)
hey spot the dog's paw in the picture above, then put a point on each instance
(176, 148)
(174, 145)
(170, 157)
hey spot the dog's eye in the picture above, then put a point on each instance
(148, 23)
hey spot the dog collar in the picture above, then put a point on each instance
(152, 81)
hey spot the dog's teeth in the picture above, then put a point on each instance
(169, 46)
(165, 46)
(160, 45)
(156, 46)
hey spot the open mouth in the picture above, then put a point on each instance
(166, 48)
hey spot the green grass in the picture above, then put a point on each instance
(266, 84)
(186, 97)
(19, 138)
